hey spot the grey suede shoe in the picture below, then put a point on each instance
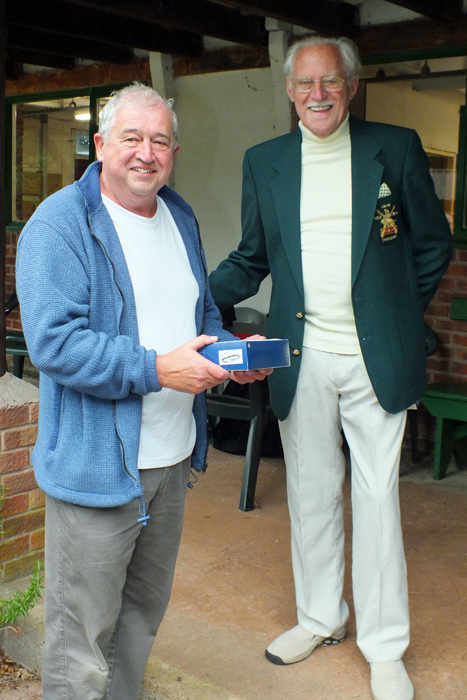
(297, 644)
(390, 681)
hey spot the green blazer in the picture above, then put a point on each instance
(401, 247)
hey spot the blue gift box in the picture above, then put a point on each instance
(248, 354)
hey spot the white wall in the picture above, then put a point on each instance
(434, 114)
(221, 115)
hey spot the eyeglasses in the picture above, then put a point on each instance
(330, 83)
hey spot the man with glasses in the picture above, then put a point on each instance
(344, 216)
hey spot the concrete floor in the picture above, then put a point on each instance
(233, 593)
(233, 590)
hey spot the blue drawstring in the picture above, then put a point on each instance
(192, 483)
(142, 507)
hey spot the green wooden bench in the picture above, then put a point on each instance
(447, 402)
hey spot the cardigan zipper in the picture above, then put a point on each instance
(144, 517)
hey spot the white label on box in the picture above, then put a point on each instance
(231, 357)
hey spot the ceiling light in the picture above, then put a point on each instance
(82, 114)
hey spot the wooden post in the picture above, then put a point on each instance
(3, 36)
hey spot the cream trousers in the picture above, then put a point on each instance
(333, 394)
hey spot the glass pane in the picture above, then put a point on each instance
(425, 96)
(50, 150)
(100, 104)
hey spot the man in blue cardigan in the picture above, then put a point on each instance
(344, 216)
(115, 304)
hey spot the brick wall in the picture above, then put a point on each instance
(450, 359)
(23, 514)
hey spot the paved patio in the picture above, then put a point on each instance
(233, 593)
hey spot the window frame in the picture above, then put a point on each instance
(459, 235)
(94, 94)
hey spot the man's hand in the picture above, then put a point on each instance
(184, 369)
(249, 376)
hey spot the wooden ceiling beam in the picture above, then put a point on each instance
(36, 58)
(207, 19)
(222, 60)
(445, 11)
(27, 39)
(82, 23)
(327, 16)
(415, 36)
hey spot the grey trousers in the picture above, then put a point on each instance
(107, 587)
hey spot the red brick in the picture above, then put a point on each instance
(36, 499)
(14, 461)
(440, 377)
(443, 324)
(456, 269)
(20, 482)
(33, 410)
(37, 539)
(444, 338)
(25, 522)
(458, 368)
(22, 566)
(459, 339)
(13, 416)
(439, 365)
(19, 438)
(14, 547)
(439, 310)
(446, 283)
(14, 504)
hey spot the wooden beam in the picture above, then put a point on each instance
(445, 11)
(3, 33)
(89, 75)
(197, 16)
(13, 70)
(413, 37)
(82, 23)
(221, 60)
(35, 58)
(327, 16)
(48, 43)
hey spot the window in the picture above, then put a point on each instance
(49, 145)
(428, 96)
(443, 171)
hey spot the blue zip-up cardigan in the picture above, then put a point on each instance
(79, 320)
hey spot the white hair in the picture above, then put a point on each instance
(131, 94)
(346, 47)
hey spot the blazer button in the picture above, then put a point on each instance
(295, 352)
(299, 315)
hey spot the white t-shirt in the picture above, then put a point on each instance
(166, 293)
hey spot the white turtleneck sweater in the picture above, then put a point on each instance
(326, 238)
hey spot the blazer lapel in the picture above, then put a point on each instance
(367, 175)
(286, 189)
